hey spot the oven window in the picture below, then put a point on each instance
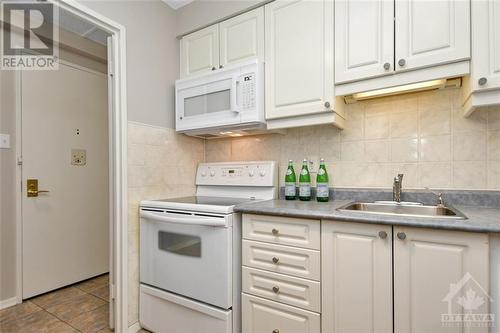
(207, 103)
(184, 245)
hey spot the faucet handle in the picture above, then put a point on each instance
(399, 178)
(439, 196)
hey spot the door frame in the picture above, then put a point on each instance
(117, 111)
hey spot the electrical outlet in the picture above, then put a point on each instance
(5, 141)
(78, 157)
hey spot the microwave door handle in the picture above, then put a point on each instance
(234, 96)
(213, 222)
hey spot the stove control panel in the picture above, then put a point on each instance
(262, 173)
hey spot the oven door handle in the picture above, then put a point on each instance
(208, 221)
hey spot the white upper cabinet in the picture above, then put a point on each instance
(235, 40)
(364, 39)
(242, 37)
(486, 45)
(299, 58)
(432, 270)
(356, 277)
(429, 32)
(200, 51)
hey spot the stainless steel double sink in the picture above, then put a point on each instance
(403, 209)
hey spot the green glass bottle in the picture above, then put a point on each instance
(304, 182)
(290, 182)
(322, 190)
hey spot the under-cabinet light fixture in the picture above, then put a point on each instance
(407, 88)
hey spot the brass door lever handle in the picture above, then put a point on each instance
(32, 190)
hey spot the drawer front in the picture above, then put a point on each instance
(282, 230)
(282, 259)
(261, 315)
(305, 294)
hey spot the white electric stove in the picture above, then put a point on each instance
(190, 251)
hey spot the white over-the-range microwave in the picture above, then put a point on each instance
(224, 102)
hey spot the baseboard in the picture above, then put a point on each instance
(134, 328)
(8, 303)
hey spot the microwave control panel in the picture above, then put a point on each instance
(247, 91)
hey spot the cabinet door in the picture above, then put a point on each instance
(364, 39)
(299, 57)
(430, 33)
(433, 269)
(356, 275)
(242, 37)
(200, 51)
(263, 316)
(486, 44)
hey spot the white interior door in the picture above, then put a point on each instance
(66, 230)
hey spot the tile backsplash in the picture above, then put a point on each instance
(422, 135)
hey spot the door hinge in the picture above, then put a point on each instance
(20, 160)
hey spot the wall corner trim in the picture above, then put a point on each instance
(7, 303)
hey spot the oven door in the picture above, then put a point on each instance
(207, 102)
(188, 254)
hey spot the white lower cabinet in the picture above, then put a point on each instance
(435, 271)
(373, 278)
(263, 316)
(357, 277)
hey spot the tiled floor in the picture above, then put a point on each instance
(82, 307)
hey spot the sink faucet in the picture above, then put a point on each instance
(439, 195)
(397, 187)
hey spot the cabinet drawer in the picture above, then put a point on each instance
(260, 315)
(294, 291)
(282, 259)
(282, 230)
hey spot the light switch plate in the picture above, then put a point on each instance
(78, 157)
(4, 141)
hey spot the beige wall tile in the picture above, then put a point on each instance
(469, 147)
(404, 150)
(469, 175)
(404, 124)
(435, 148)
(435, 120)
(377, 151)
(377, 127)
(494, 146)
(435, 175)
(422, 135)
(353, 151)
(494, 118)
(494, 175)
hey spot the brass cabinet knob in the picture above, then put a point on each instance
(276, 330)
(275, 231)
(276, 289)
(220, 66)
(482, 81)
(276, 260)
(327, 105)
(401, 235)
(382, 234)
(387, 66)
(401, 62)
(213, 68)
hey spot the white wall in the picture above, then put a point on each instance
(152, 57)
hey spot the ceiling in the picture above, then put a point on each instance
(176, 4)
